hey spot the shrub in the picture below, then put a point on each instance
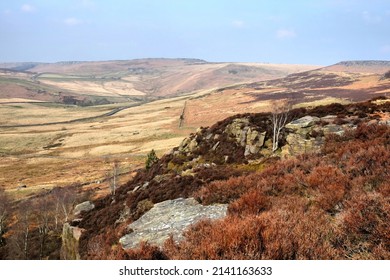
(239, 239)
(151, 159)
(251, 203)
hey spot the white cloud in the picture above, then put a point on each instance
(285, 33)
(238, 23)
(72, 21)
(27, 8)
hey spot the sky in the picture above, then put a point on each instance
(320, 32)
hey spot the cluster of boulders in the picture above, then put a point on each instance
(246, 135)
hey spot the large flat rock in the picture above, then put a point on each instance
(303, 122)
(171, 217)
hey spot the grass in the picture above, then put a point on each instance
(320, 102)
(59, 155)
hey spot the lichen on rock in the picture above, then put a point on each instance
(169, 218)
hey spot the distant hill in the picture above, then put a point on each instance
(139, 78)
(360, 66)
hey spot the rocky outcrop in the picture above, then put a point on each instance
(168, 218)
(70, 242)
(239, 130)
(71, 234)
(188, 145)
(307, 134)
(299, 139)
(246, 135)
(304, 122)
(83, 207)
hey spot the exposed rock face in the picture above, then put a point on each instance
(246, 136)
(238, 130)
(188, 145)
(299, 140)
(70, 242)
(306, 135)
(305, 122)
(167, 218)
(83, 207)
(254, 141)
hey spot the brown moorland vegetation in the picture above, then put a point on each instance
(330, 205)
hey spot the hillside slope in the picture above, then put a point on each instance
(330, 201)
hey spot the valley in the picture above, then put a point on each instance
(52, 120)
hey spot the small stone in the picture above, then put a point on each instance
(215, 146)
(209, 136)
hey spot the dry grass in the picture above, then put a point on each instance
(95, 87)
(59, 155)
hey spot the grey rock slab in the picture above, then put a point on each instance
(171, 217)
(303, 122)
(83, 207)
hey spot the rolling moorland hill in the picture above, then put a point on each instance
(116, 81)
(360, 66)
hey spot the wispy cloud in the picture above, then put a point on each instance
(27, 8)
(285, 33)
(72, 21)
(238, 23)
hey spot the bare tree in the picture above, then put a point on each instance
(64, 200)
(280, 115)
(44, 210)
(20, 238)
(114, 179)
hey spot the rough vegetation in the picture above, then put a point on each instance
(324, 194)
(328, 203)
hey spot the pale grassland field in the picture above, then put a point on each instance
(46, 156)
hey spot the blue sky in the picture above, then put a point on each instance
(279, 31)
